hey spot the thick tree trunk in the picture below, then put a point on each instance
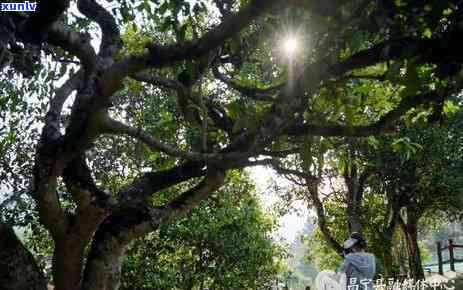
(387, 262)
(105, 275)
(355, 182)
(387, 251)
(402, 256)
(103, 267)
(410, 229)
(354, 218)
(67, 265)
(415, 263)
(18, 270)
(388, 235)
(104, 262)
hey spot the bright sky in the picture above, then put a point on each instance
(293, 222)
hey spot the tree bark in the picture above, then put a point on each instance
(68, 259)
(18, 270)
(353, 218)
(387, 251)
(321, 220)
(410, 229)
(355, 187)
(416, 267)
(387, 260)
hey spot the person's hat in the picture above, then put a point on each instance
(355, 239)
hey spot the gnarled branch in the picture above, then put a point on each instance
(74, 43)
(158, 81)
(159, 56)
(111, 40)
(384, 124)
(103, 264)
(252, 93)
(115, 127)
(151, 182)
(52, 119)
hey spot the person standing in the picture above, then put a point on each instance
(358, 265)
(356, 271)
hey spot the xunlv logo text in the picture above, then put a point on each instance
(21, 6)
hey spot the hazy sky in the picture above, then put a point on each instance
(291, 223)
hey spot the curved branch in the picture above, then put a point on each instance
(322, 224)
(111, 40)
(79, 181)
(151, 182)
(225, 159)
(159, 56)
(437, 50)
(382, 125)
(74, 43)
(43, 26)
(115, 127)
(220, 117)
(158, 81)
(309, 178)
(253, 93)
(47, 168)
(52, 215)
(192, 197)
(103, 264)
(52, 119)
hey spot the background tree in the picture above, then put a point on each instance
(228, 97)
(420, 172)
(225, 243)
(414, 174)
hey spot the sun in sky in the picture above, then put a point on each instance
(290, 45)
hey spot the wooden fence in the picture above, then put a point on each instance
(452, 260)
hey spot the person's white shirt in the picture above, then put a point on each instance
(330, 280)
